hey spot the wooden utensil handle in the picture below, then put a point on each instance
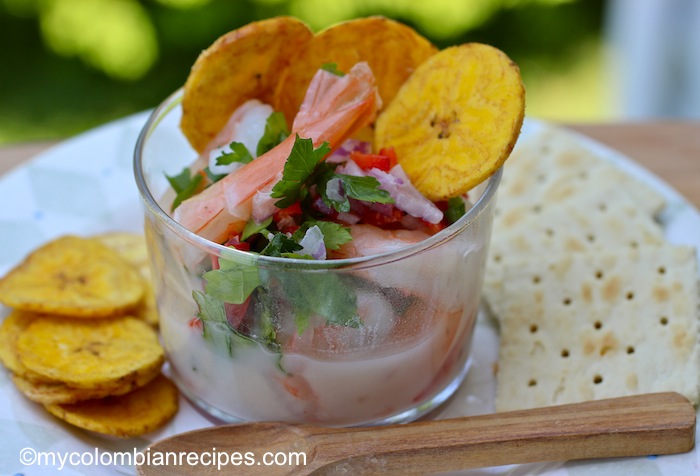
(660, 423)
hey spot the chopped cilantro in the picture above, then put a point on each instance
(232, 282)
(298, 171)
(322, 294)
(332, 68)
(215, 326)
(334, 234)
(184, 185)
(252, 228)
(275, 132)
(239, 153)
(212, 176)
(455, 209)
(279, 245)
(360, 188)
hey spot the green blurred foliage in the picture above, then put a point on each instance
(69, 65)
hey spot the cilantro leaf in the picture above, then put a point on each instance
(279, 245)
(232, 282)
(334, 234)
(275, 132)
(252, 228)
(184, 186)
(455, 209)
(360, 188)
(298, 171)
(323, 294)
(212, 176)
(332, 68)
(215, 326)
(364, 188)
(239, 153)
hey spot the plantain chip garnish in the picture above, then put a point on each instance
(241, 65)
(455, 121)
(105, 353)
(133, 414)
(391, 49)
(73, 276)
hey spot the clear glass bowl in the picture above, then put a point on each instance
(307, 362)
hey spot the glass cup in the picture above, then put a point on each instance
(369, 340)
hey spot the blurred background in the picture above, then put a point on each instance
(69, 65)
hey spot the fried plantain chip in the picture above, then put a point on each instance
(241, 65)
(48, 393)
(11, 327)
(75, 277)
(91, 354)
(392, 50)
(147, 310)
(455, 120)
(133, 414)
(132, 247)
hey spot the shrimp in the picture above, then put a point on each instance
(246, 125)
(370, 240)
(334, 108)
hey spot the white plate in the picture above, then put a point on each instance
(85, 186)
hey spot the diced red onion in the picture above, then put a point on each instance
(343, 152)
(406, 196)
(263, 204)
(348, 218)
(313, 244)
(351, 168)
(334, 190)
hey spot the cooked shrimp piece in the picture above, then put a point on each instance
(370, 240)
(334, 108)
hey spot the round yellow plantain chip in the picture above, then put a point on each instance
(132, 247)
(241, 65)
(11, 327)
(455, 120)
(147, 311)
(91, 354)
(133, 414)
(74, 277)
(392, 50)
(57, 392)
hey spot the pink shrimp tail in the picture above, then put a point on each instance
(333, 109)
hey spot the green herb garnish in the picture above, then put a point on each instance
(279, 245)
(239, 154)
(215, 326)
(275, 132)
(185, 186)
(252, 228)
(212, 176)
(332, 68)
(298, 173)
(360, 188)
(455, 209)
(334, 234)
(232, 282)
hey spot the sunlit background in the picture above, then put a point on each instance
(68, 65)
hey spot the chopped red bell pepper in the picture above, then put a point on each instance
(371, 161)
(391, 153)
(286, 218)
(375, 218)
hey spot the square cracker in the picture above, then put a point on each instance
(600, 324)
(591, 222)
(552, 166)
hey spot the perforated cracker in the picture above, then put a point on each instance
(599, 324)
